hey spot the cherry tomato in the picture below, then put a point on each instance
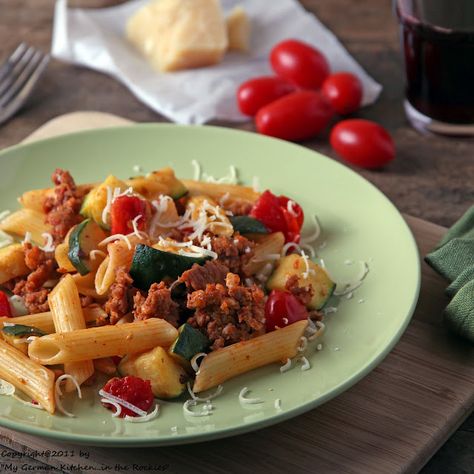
(362, 143)
(5, 308)
(297, 116)
(344, 92)
(283, 308)
(123, 211)
(255, 93)
(301, 64)
(131, 389)
(275, 213)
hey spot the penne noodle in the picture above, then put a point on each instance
(34, 199)
(12, 262)
(120, 255)
(67, 315)
(86, 283)
(104, 341)
(28, 376)
(44, 321)
(218, 222)
(224, 364)
(216, 191)
(267, 245)
(26, 220)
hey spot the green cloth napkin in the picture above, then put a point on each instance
(453, 258)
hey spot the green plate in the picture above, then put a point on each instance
(359, 224)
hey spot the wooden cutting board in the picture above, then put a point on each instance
(392, 421)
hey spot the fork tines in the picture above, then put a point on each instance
(18, 76)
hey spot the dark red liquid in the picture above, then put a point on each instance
(438, 44)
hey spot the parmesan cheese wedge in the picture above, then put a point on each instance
(179, 34)
(238, 29)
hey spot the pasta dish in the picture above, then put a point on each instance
(163, 286)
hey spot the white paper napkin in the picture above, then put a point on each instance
(95, 38)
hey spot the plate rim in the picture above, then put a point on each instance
(190, 438)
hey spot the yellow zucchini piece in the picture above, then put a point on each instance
(168, 379)
(311, 273)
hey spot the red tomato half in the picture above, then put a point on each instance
(343, 91)
(255, 93)
(283, 308)
(124, 210)
(299, 63)
(362, 143)
(5, 308)
(296, 116)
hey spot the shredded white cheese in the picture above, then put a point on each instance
(58, 392)
(348, 288)
(122, 402)
(277, 404)
(197, 170)
(256, 184)
(315, 234)
(248, 401)
(27, 238)
(48, 242)
(93, 254)
(204, 399)
(286, 366)
(118, 407)
(306, 365)
(137, 169)
(111, 238)
(143, 419)
(194, 360)
(207, 409)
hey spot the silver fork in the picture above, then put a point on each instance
(18, 77)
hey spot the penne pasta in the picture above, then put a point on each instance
(104, 341)
(61, 256)
(44, 321)
(215, 218)
(12, 262)
(268, 245)
(86, 283)
(34, 199)
(224, 364)
(26, 220)
(28, 376)
(67, 316)
(216, 191)
(120, 255)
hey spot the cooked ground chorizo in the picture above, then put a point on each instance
(199, 276)
(120, 296)
(228, 313)
(156, 304)
(31, 288)
(234, 252)
(303, 293)
(62, 208)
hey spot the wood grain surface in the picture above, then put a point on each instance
(430, 178)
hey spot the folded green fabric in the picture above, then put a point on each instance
(453, 258)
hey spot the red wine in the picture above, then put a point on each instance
(438, 44)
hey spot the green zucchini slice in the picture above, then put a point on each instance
(190, 341)
(20, 330)
(151, 265)
(247, 225)
(84, 238)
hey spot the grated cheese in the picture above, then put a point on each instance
(111, 238)
(290, 206)
(94, 253)
(207, 409)
(348, 288)
(118, 407)
(256, 184)
(143, 419)
(316, 232)
(122, 402)
(27, 238)
(58, 392)
(248, 401)
(277, 404)
(306, 365)
(204, 399)
(137, 168)
(286, 366)
(49, 242)
(194, 360)
(197, 170)
(308, 270)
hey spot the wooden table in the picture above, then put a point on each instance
(431, 177)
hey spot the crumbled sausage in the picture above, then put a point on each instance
(303, 293)
(62, 208)
(234, 252)
(199, 276)
(43, 268)
(120, 296)
(156, 304)
(228, 313)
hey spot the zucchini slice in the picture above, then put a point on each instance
(157, 183)
(151, 265)
(247, 225)
(294, 264)
(84, 238)
(190, 341)
(20, 330)
(168, 379)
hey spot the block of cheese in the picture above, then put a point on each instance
(179, 34)
(238, 29)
